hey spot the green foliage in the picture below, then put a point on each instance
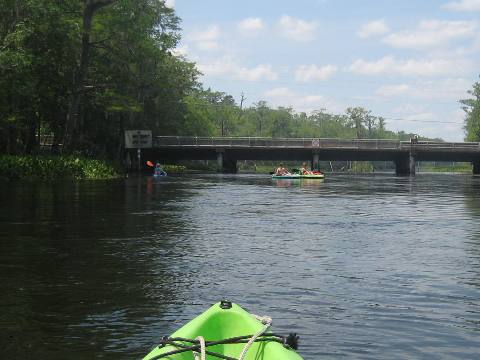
(471, 107)
(54, 167)
(125, 75)
(208, 112)
(447, 168)
(174, 169)
(132, 80)
(361, 167)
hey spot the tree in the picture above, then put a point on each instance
(261, 110)
(89, 10)
(86, 70)
(359, 118)
(471, 107)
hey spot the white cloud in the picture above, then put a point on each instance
(305, 73)
(170, 3)
(297, 29)
(280, 92)
(259, 72)
(232, 70)
(391, 66)
(392, 90)
(431, 108)
(372, 28)
(283, 96)
(431, 33)
(423, 116)
(428, 122)
(443, 90)
(206, 39)
(463, 5)
(251, 24)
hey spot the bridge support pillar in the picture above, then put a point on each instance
(315, 161)
(229, 166)
(405, 165)
(225, 164)
(128, 161)
(476, 167)
(412, 164)
(219, 161)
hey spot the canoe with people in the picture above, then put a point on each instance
(281, 172)
(226, 331)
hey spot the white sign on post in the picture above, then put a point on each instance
(138, 139)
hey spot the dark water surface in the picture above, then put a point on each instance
(367, 267)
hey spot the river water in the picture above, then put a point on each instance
(366, 267)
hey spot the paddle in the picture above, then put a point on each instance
(149, 163)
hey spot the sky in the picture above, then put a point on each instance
(409, 61)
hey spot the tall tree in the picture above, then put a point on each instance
(89, 10)
(359, 117)
(471, 107)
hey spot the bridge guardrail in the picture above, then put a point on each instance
(309, 143)
(273, 142)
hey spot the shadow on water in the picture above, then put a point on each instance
(83, 267)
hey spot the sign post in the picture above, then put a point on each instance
(138, 139)
(139, 158)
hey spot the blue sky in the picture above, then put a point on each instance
(409, 61)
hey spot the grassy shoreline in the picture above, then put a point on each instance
(40, 167)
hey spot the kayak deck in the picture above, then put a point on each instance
(220, 322)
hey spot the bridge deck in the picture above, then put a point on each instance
(309, 143)
(228, 150)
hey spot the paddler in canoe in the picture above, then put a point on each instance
(281, 171)
(304, 170)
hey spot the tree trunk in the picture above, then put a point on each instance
(71, 126)
(31, 141)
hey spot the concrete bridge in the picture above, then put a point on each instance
(228, 150)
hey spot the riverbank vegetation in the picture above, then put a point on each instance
(174, 169)
(20, 167)
(81, 72)
(459, 167)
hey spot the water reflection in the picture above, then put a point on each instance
(372, 265)
(472, 201)
(83, 263)
(306, 183)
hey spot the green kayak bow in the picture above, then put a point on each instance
(226, 331)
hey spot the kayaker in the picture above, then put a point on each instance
(281, 170)
(158, 170)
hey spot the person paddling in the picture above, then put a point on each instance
(281, 171)
(158, 170)
(304, 170)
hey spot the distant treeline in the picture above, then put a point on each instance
(86, 70)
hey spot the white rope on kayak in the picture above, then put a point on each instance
(266, 321)
(202, 349)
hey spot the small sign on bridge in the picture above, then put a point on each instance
(138, 139)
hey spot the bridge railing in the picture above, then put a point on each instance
(309, 143)
(162, 141)
(437, 145)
